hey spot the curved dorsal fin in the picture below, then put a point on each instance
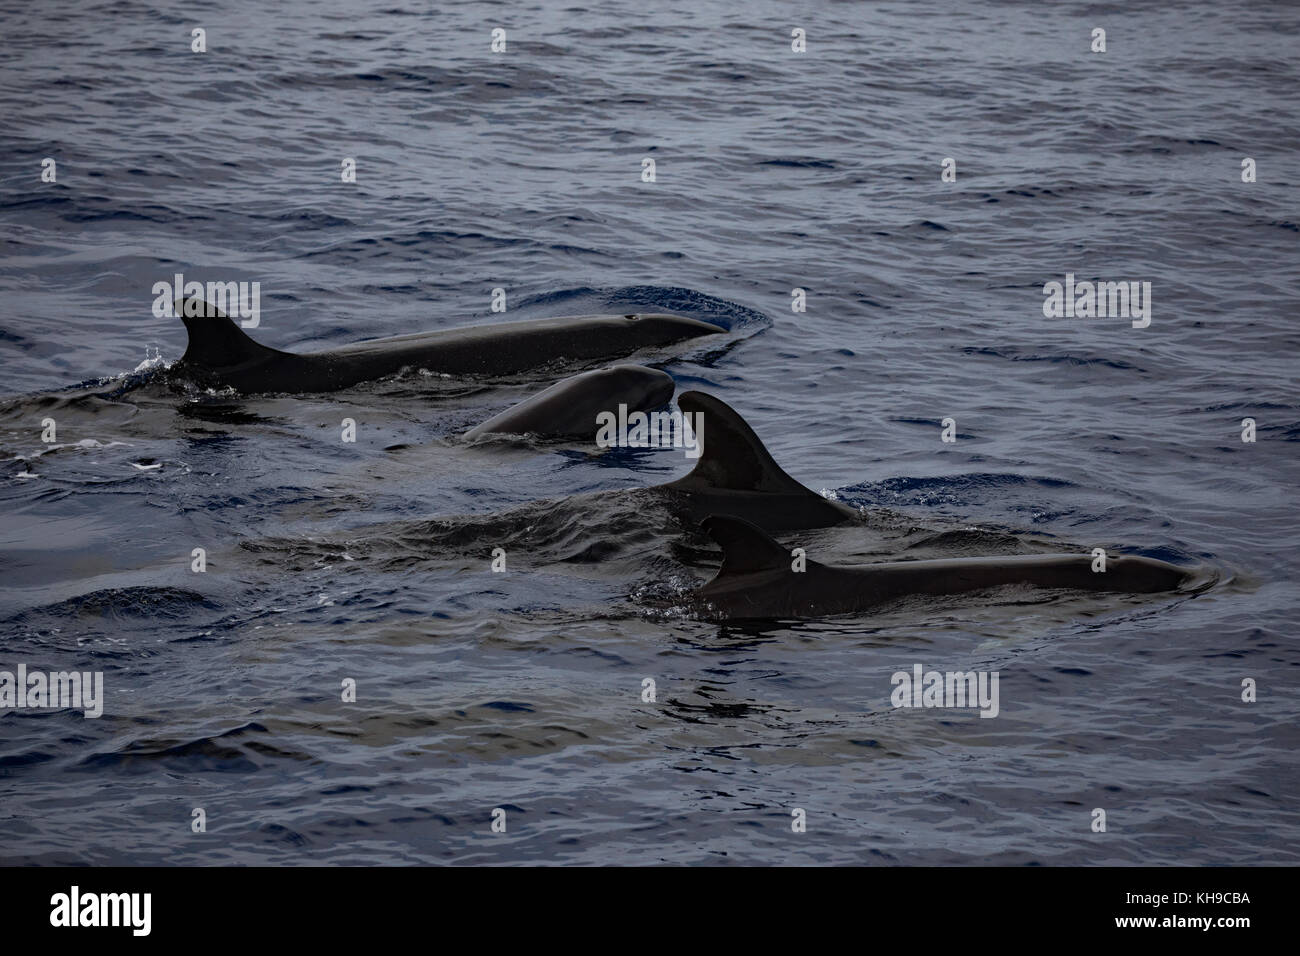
(744, 547)
(215, 340)
(733, 456)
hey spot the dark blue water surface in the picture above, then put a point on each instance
(775, 170)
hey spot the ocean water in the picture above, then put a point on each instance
(774, 171)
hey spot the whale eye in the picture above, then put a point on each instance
(633, 317)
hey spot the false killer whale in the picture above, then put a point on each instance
(220, 353)
(757, 578)
(568, 409)
(735, 475)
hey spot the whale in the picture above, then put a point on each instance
(736, 475)
(758, 579)
(733, 474)
(569, 408)
(222, 355)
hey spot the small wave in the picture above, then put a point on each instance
(145, 603)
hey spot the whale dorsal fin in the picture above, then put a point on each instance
(733, 456)
(215, 340)
(744, 547)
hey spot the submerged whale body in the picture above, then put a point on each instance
(568, 409)
(222, 354)
(757, 580)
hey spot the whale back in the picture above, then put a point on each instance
(757, 580)
(219, 347)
